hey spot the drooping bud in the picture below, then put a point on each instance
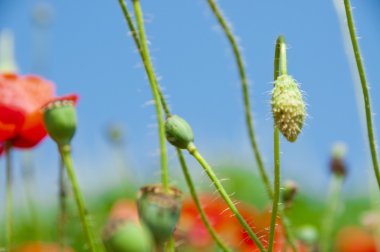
(289, 191)
(178, 132)
(337, 163)
(60, 120)
(159, 210)
(121, 235)
(288, 107)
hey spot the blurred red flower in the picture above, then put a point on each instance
(354, 239)
(41, 247)
(21, 100)
(194, 234)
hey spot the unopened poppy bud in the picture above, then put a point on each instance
(126, 236)
(289, 191)
(60, 121)
(178, 132)
(288, 107)
(337, 163)
(159, 210)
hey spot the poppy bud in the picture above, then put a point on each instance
(178, 132)
(289, 191)
(159, 210)
(126, 236)
(288, 107)
(337, 163)
(60, 121)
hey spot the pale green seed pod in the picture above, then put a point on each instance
(60, 121)
(126, 236)
(178, 132)
(159, 210)
(288, 107)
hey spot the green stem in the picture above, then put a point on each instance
(218, 185)
(279, 62)
(154, 87)
(9, 208)
(66, 158)
(245, 87)
(197, 202)
(166, 109)
(276, 195)
(135, 37)
(28, 176)
(247, 107)
(62, 206)
(367, 103)
(330, 215)
(170, 246)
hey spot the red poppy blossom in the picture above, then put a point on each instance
(41, 247)
(353, 239)
(21, 100)
(193, 233)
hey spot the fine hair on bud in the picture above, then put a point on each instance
(178, 132)
(288, 107)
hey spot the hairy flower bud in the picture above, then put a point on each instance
(288, 107)
(60, 120)
(159, 210)
(178, 132)
(121, 235)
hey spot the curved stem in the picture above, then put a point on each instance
(66, 158)
(330, 215)
(247, 107)
(245, 88)
(9, 186)
(154, 87)
(363, 80)
(218, 185)
(197, 202)
(62, 205)
(166, 109)
(279, 61)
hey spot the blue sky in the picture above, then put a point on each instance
(88, 51)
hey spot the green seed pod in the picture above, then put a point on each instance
(288, 107)
(159, 210)
(126, 236)
(60, 121)
(178, 132)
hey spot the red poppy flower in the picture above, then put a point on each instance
(21, 100)
(353, 239)
(194, 234)
(41, 247)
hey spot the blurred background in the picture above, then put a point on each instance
(85, 47)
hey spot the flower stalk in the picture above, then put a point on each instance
(181, 158)
(65, 152)
(279, 64)
(152, 80)
(219, 187)
(9, 195)
(245, 89)
(363, 81)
